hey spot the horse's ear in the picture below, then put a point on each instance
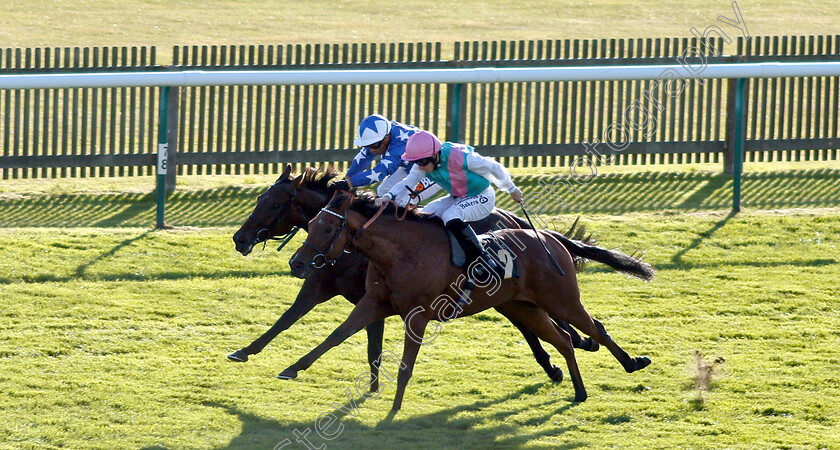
(298, 180)
(341, 201)
(286, 172)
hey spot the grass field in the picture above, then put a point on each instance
(37, 23)
(113, 335)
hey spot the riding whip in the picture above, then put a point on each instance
(537, 233)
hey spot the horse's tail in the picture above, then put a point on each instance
(584, 247)
(629, 264)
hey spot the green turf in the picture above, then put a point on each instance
(39, 23)
(208, 205)
(113, 335)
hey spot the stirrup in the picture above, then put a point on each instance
(463, 299)
(489, 262)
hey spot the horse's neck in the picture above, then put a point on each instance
(386, 239)
(310, 201)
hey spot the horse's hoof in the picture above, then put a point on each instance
(556, 374)
(642, 362)
(639, 362)
(591, 345)
(579, 398)
(374, 388)
(288, 374)
(238, 356)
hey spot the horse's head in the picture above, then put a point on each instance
(328, 236)
(276, 214)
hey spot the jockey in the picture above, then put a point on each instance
(466, 175)
(379, 136)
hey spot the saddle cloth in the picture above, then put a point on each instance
(494, 246)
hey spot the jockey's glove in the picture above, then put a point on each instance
(341, 185)
(384, 199)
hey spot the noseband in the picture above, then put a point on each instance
(316, 263)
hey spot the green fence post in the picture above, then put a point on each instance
(738, 144)
(163, 150)
(456, 113)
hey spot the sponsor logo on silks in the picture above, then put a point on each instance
(480, 200)
(423, 184)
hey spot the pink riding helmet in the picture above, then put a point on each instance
(421, 144)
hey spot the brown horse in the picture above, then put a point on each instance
(406, 277)
(291, 202)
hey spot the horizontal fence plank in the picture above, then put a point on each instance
(761, 145)
(267, 157)
(257, 129)
(576, 149)
(65, 161)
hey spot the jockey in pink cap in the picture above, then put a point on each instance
(386, 139)
(463, 173)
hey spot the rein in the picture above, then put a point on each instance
(316, 263)
(286, 237)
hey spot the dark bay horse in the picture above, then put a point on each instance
(409, 276)
(292, 201)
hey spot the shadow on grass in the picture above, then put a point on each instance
(452, 427)
(686, 191)
(677, 259)
(80, 271)
(607, 193)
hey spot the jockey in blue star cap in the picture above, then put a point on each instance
(385, 138)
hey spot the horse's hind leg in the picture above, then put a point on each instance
(588, 344)
(629, 363)
(542, 357)
(581, 319)
(539, 322)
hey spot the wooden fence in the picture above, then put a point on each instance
(257, 129)
(77, 132)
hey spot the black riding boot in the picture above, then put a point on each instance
(473, 250)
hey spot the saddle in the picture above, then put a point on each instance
(494, 246)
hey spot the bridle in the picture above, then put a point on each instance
(267, 229)
(324, 260)
(316, 263)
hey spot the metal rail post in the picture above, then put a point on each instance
(162, 154)
(738, 144)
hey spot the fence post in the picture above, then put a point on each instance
(173, 112)
(731, 136)
(162, 155)
(738, 142)
(456, 113)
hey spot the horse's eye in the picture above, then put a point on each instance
(277, 206)
(328, 230)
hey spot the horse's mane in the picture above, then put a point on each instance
(318, 179)
(363, 203)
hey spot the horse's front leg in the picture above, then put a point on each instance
(375, 333)
(318, 287)
(365, 312)
(417, 324)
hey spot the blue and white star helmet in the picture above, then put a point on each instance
(372, 129)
